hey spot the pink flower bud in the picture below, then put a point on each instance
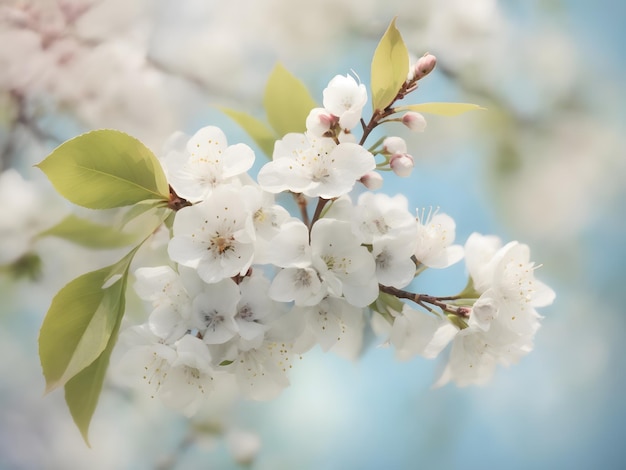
(401, 164)
(414, 121)
(424, 66)
(372, 180)
(393, 145)
(319, 121)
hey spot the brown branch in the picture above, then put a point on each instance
(318, 211)
(423, 299)
(302, 205)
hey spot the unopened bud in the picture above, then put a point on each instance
(393, 145)
(414, 121)
(372, 180)
(401, 164)
(319, 121)
(424, 66)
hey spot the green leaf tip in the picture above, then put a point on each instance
(262, 135)
(390, 67)
(104, 169)
(82, 392)
(442, 109)
(287, 102)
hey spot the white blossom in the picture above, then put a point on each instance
(162, 286)
(346, 267)
(213, 311)
(215, 236)
(503, 321)
(316, 167)
(267, 219)
(415, 332)
(190, 379)
(435, 236)
(143, 360)
(345, 98)
(335, 263)
(378, 217)
(261, 372)
(334, 324)
(470, 360)
(394, 266)
(255, 310)
(206, 162)
(301, 285)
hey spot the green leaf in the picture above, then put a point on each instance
(457, 321)
(287, 102)
(81, 321)
(262, 135)
(83, 390)
(443, 109)
(146, 221)
(105, 169)
(89, 234)
(139, 210)
(469, 291)
(390, 67)
(385, 303)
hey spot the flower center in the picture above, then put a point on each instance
(246, 313)
(212, 320)
(221, 244)
(302, 278)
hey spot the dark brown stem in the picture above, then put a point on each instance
(374, 121)
(318, 211)
(423, 299)
(302, 205)
(176, 202)
(379, 115)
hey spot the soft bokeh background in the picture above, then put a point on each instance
(545, 165)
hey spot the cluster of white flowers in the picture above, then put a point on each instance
(253, 286)
(498, 328)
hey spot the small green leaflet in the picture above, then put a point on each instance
(287, 102)
(89, 234)
(105, 169)
(81, 321)
(83, 390)
(390, 67)
(262, 135)
(442, 109)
